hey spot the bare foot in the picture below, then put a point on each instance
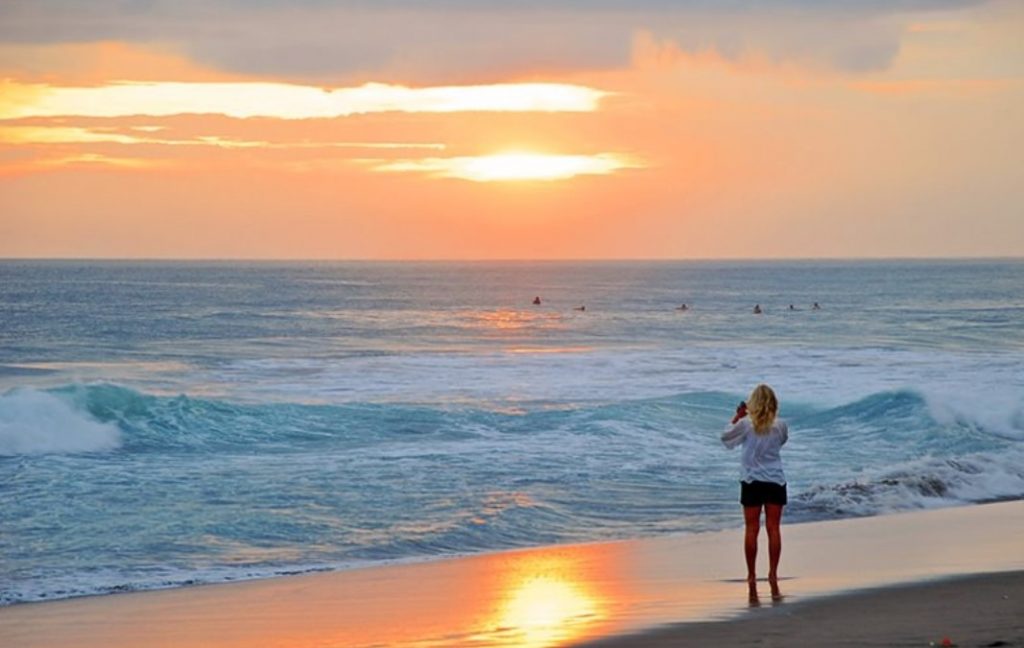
(773, 582)
(752, 596)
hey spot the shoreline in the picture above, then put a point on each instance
(298, 571)
(387, 563)
(562, 594)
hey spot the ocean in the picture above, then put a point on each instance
(170, 423)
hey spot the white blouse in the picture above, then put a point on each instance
(760, 460)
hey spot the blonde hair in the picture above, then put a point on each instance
(762, 407)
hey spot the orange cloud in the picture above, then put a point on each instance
(59, 135)
(96, 158)
(74, 161)
(286, 101)
(76, 135)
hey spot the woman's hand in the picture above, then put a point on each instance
(741, 411)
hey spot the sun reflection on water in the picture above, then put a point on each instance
(507, 319)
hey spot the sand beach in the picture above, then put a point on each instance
(902, 579)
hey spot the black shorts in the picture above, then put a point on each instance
(757, 493)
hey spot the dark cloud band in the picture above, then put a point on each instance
(470, 40)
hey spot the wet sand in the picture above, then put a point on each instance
(619, 592)
(979, 610)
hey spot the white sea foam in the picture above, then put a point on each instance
(929, 482)
(983, 388)
(996, 409)
(38, 422)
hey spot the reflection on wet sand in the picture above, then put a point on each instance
(546, 609)
(754, 596)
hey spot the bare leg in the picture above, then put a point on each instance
(772, 522)
(752, 518)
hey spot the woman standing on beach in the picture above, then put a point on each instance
(762, 481)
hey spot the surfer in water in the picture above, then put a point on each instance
(536, 301)
(761, 434)
(757, 309)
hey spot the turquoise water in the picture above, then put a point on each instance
(163, 424)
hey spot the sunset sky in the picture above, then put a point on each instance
(478, 129)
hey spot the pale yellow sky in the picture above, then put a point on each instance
(628, 131)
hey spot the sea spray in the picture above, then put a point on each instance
(39, 422)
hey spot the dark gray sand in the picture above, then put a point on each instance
(978, 610)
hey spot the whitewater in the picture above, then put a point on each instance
(164, 424)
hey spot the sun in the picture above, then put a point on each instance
(514, 166)
(530, 166)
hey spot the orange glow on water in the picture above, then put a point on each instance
(507, 320)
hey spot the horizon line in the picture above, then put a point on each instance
(169, 259)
